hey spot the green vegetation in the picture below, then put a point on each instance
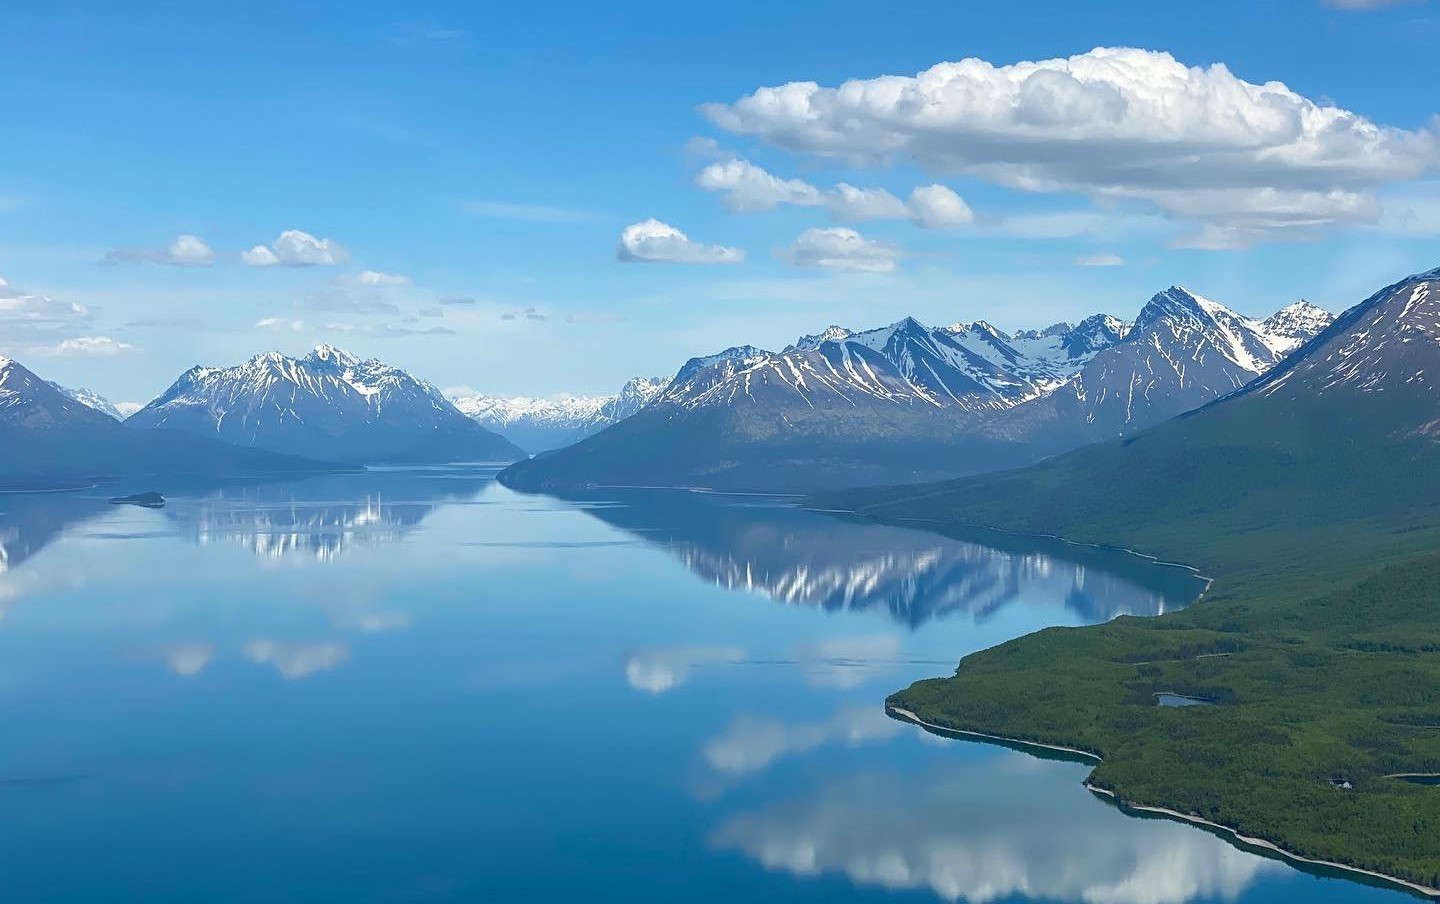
(1319, 639)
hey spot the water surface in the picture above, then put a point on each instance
(418, 686)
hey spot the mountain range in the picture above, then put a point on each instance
(327, 405)
(51, 440)
(908, 403)
(542, 424)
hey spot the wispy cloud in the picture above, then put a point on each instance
(184, 251)
(1100, 259)
(85, 346)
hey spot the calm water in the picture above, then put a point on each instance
(418, 686)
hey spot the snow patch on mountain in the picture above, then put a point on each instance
(92, 399)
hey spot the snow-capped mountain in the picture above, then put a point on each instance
(970, 367)
(1182, 352)
(1386, 346)
(539, 424)
(92, 399)
(907, 402)
(51, 440)
(1294, 325)
(328, 405)
(30, 402)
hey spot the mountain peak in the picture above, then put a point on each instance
(908, 324)
(329, 354)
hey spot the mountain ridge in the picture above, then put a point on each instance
(329, 404)
(907, 403)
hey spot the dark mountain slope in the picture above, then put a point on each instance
(50, 440)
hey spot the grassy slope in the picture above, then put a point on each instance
(1322, 537)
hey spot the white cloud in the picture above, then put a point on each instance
(380, 279)
(838, 248)
(1100, 259)
(279, 323)
(851, 204)
(652, 241)
(92, 346)
(24, 308)
(296, 249)
(1196, 143)
(184, 251)
(938, 207)
(746, 188)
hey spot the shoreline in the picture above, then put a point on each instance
(1271, 846)
(1428, 891)
(907, 716)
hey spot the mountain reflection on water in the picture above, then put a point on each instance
(322, 516)
(519, 698)
(835, 563)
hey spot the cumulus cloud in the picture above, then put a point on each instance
(185, 251)
(1100, 259)
(296, 249)
(381, 280)
(937, 207)
(1126, 123)
(652, 241)
(86, 346)
(745, 188)
(839, 248)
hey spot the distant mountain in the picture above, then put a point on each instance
(51, 440)
(907, 403)
(1182, 352)
(539, 425)
(1347, 426)
(328, 404)
(91, 399)
(1294, 325)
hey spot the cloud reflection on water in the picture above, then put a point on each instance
(987, 830)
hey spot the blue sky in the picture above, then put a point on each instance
(490, 156)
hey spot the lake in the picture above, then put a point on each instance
(419, 686)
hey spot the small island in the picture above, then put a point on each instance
(149, 499)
